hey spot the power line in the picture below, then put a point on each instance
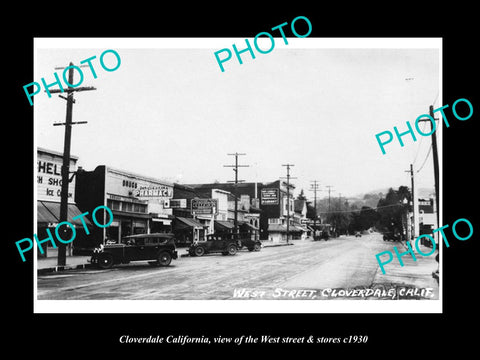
(288, 197)
(426, 157)
(359, 210)
(236, 181)
(419, 144)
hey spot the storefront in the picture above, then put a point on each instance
(49, 184)
(140, 204)
(188, 231)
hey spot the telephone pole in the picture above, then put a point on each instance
(236, 181)
(329, 190)
(314, 189)
(62, 250)
(288, 197)
(435, 160)
(415, 225)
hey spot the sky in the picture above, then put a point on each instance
(168, 111)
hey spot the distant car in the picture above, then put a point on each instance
(390, 236)
(159, 247)
(358, 234)
(214, 243)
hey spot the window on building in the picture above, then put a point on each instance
(113, 204)
(140, 208)
(126, 206)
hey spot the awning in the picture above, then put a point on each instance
(163, 221)
(49, 213)
(248, 225)
(277, 228)
(295, 228)
(223, 225)
(302, 228)
(283, 228)
(185, 223)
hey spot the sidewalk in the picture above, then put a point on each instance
(416, 274)
(46, 265)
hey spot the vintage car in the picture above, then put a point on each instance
(214, 243)
(391, 236)
(159, 247)
(245, 240)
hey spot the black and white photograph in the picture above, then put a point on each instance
(289, 181)
(295, 181)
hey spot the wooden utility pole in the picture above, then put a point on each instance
(288, 197)
(415, 225)
(235, 168)
(329, 189)
(435, 168)
(61, 258)
(435, 161)
(314, 189)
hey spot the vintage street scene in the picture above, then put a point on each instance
(311, 173)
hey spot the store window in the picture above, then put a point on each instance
(113, 204)
(126, 206)
(140, 208)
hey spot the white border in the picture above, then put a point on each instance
(238, 306)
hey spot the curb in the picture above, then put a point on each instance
(62, 268)
(275, 245)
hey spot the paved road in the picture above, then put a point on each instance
(344, 262)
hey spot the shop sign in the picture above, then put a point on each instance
(175, 204)
(204, 206)
(49, 180)
(269, 196)
(154, 191)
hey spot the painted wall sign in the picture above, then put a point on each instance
(269, 197)
(49, 179)
(204, 206)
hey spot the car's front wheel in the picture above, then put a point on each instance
(164, 259)
(257, 247)
(232, 249)
(199, 251)
(105, 261)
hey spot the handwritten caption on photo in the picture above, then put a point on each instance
(380, 292)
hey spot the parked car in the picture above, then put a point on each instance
(159, 247)
(358, 234)
(214, 243)
(390, 236)
(245, 240)
(249, 243)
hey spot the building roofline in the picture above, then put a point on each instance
(132, 174)
(54, 152)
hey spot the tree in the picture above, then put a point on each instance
(339, 218)
(310, 211)
(392, 210)
(367, 218)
